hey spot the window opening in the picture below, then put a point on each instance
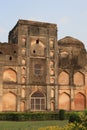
(34, 51)
(38, 69)
(1, 52)
(10, 58)
(14, 52)
(37, 41)
(37, 101)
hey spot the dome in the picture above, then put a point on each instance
(70, 41)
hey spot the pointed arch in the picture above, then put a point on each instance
(9, 75)
(64, 101)
(79, 78)
(9, 102)
(79, 101)
(63, 78)
(38, 101)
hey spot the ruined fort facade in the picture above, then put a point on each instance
(40, 73)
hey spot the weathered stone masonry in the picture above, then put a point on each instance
(40, 73)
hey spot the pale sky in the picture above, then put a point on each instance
(69, 15)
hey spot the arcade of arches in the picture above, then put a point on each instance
(38, 99)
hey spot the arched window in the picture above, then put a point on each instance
(38, 101)
(38, 69)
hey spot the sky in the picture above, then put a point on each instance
(69, 15)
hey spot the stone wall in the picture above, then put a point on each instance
(37, 73)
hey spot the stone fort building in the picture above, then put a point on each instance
(40, 73)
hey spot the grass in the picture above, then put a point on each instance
(29, 125)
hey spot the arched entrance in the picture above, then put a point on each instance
(79, 101)
(38, 101)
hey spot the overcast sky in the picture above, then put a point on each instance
(69, 15)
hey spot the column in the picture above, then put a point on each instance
(18, 98)
(48, 97)
(72, 99)
(56, 97)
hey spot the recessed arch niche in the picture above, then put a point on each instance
(63, 78)
(23, 40)
(79, 101)
(9, 102)
(52, 93)
(22, 106)
(51, 44)
(37, 48)
(9, 75)
(23, 51)
(23, 93)
(79, 78)
(52, 105)
(64, 101)
(23, 61)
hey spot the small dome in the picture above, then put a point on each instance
(70, 41)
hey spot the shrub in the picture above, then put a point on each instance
(71, 126)
(74, 117)
(83, 117)
(28, 116)
(74, 126)
(85, 112)
(61, 114)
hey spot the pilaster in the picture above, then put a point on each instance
(72, 99)
(48, 98)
